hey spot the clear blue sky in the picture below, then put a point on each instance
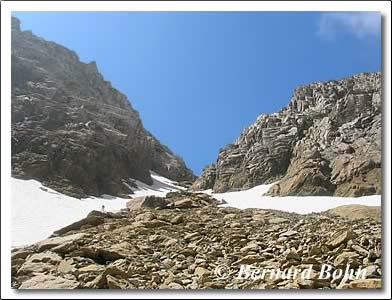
(198, 78)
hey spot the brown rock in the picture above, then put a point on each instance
(92, 219)
(57, 241)
(340, 237)
(147, 202)
(42, 281)
(356, 211)
(363, 284)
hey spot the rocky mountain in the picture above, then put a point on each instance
(326, 141)
(197, 245)
(72, 130)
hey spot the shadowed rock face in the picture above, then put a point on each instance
(326, 141)
(72, 130)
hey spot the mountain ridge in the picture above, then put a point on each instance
(326, 141)
(72, 130)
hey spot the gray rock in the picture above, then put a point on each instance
(326, 141)
(206, 180)
(72, 130)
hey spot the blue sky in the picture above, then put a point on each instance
(198, 78)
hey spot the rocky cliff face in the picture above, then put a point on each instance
(72, 130)
(326, 141)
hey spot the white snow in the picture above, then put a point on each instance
(37, 211)
(160, 187)
(252, 198)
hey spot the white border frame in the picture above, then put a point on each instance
(6, 7)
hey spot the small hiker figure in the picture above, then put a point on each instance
(103, 208)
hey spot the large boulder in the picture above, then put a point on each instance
(147, 202)
(42, 281)
(356, 211)
(363, 284)
(94, 218)
(58, 241)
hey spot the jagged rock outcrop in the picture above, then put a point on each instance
(72, 130)
(178, 199)
(326, 141)
(206, 179)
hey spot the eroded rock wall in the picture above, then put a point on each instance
(326, 141)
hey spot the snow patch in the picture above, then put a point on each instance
(37, 211)
(160, 186)
(253, 198)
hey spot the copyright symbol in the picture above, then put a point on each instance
(222, 271)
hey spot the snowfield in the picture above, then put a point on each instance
(253, 198)
(37, 211)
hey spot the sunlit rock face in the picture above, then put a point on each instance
(326, 141)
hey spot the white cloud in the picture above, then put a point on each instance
(360, 24)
